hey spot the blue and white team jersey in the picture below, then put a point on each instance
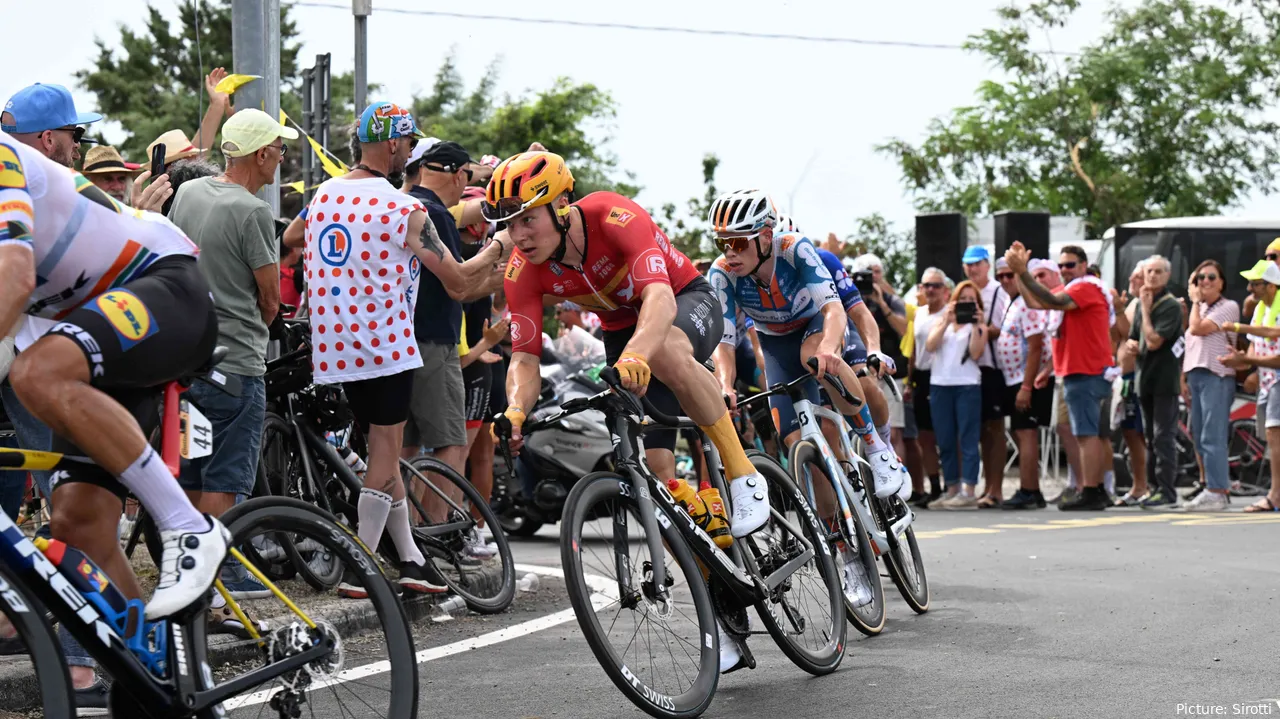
(800, 287)
(850, 297)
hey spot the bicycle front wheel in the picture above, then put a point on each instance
(805, 611)
(660, 649)
(369, 668)
(905, 565)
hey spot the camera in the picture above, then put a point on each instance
(864, 280)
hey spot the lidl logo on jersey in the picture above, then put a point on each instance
(11, 168)
(514, 266)
(127, 315)
(620, 217)
(335, 245)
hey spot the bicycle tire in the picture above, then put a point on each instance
(868, 619)
(825, 659)
(27, 616)
(286, 481)
(607, 486)
(281, 514)
(507, 588)
(916, 594)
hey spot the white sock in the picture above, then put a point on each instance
(1072, 483)
(402, 534)
(371, 512)
(884, 431)
(1109, 481)
(150, 481)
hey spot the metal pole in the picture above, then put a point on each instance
(362, 9)
(255, 50)
(271, 76)
(308, 124)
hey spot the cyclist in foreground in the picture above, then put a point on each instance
(659, 315)
(132, 313)
(781, 283)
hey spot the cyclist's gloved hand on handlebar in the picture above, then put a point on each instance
(516, 417)
(634, 371)
(883, 363)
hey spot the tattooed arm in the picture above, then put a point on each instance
(462, 280)
(1047, 298)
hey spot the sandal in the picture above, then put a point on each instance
(1262, 505)
(989, 502)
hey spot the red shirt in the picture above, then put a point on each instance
(1083, 344)
(625, 252)
(289, 294)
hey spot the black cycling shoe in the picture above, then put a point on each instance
(1091, 499)
(1025, 499)
(92, 700)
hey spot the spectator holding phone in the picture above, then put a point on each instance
(958, 341)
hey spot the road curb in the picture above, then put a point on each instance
(19, 690)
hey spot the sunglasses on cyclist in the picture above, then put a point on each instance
(932, 285)
(1002, 276)
(1206, 276)
(737, 244)
(508, 207)
(1067, 265)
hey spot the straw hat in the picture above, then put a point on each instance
(102, 159)
(176, 146)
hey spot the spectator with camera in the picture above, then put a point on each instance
(957, 340)
(995, 302)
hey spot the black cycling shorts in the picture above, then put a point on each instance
(137, 338)
(698, 315)
(381, 400)
(497, 389)
(477, 381)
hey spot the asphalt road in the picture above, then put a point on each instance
(1035, 614)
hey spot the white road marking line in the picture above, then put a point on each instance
(605, 592)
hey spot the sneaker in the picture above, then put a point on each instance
(1157, 500)
(246, 587)
(856, 587)
(938, 502)
(960, 501)
(1129, 499)
(1207, 501)
(188, 567)
(1091, 499)
(350, 586)
(1025, 499)
(750, 496)
(91, 701)
(919, 500)
(1070, 494)
(223, 620)
(1196, 490)
(731, 659)
(421, 579)
(474, 546)
(888, 473)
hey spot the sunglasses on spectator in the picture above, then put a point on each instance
(1273, 256)
(1002, 276)
(932, 285)
(1206, 276)
(77, 132)
(1067, 265)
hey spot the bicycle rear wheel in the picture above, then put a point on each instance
(905, 565)
(487, 589)
(663, 655)
(805, 612)
(29, 642)
(282, 474)
(358, 676)
(808, 468)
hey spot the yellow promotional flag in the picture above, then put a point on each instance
(333, 167)
(296, 186)
(231, 83)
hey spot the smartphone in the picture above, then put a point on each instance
(966, 313)
(157, 161)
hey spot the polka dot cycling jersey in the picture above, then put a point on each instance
(84, 242)
(800, 287)
(362, 280)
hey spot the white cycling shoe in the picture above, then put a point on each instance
(731, 658)
(750, 497)
(189, 565)
(904, 492)
(856, 587)
(888, 473)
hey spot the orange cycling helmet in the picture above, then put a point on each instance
(526, 180)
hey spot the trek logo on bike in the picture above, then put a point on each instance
(128, 316)
(335, 245)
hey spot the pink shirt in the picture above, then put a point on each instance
(1203, 352)
(1020, 323)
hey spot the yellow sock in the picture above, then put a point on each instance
(732, 456)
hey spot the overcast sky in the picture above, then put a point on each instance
(771, 109)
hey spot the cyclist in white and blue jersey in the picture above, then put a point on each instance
(781, 283)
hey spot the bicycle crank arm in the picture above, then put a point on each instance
(780, 575)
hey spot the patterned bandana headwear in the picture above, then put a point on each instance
(384, 121)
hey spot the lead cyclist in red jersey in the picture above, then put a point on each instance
(659, 316)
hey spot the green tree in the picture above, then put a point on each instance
(1164, 115)
(895, 248)
(566, 118)
(691, 232)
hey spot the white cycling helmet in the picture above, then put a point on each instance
(784, 223)
(742, 213)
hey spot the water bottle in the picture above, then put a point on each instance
(689, 499)
(353, 460)
(147, 640)
(717, 525)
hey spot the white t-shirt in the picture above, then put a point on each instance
(362, 281)
(1020, 323)
(995, 302)
(951, 364)
(923, 323)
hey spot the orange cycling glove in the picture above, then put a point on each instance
(635, 368)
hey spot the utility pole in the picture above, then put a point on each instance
(362, 9)
(255, 49)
